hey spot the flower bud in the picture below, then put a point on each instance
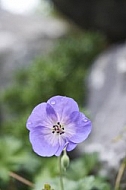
(65, 161)
(47, 187)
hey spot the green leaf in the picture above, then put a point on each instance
(85, 164)
(14, 157)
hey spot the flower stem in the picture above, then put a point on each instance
(61, 176)
(120, 174)
(21, 179)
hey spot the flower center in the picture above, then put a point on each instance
(58, 128)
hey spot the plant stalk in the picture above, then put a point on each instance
(120, 174)
(61, 176)
(21, 179)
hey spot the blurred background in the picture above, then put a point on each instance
(71, 48)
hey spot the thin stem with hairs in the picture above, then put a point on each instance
(61, 175)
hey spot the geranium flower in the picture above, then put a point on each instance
(56, 125)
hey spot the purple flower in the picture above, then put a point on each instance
(56, 125)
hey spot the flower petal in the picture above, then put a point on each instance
(40, 140)
(63, 144)
(71, 146)
(63, 106)
(42, 115)
(37, 117)
(82, 129)
(51, 113)
(70, 124)
(74, 117)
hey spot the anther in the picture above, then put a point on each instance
(58, 128)
(61, 133)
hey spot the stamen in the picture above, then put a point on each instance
(58, 129)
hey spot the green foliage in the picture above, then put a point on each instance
(62, 72)
(87, 163)
(88, 183)
(13, 157)
(80, 175)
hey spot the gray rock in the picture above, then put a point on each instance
(107, 105)
(22, 38)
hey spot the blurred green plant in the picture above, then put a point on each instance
(14, 157)
(80, 175)
(62, 72)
